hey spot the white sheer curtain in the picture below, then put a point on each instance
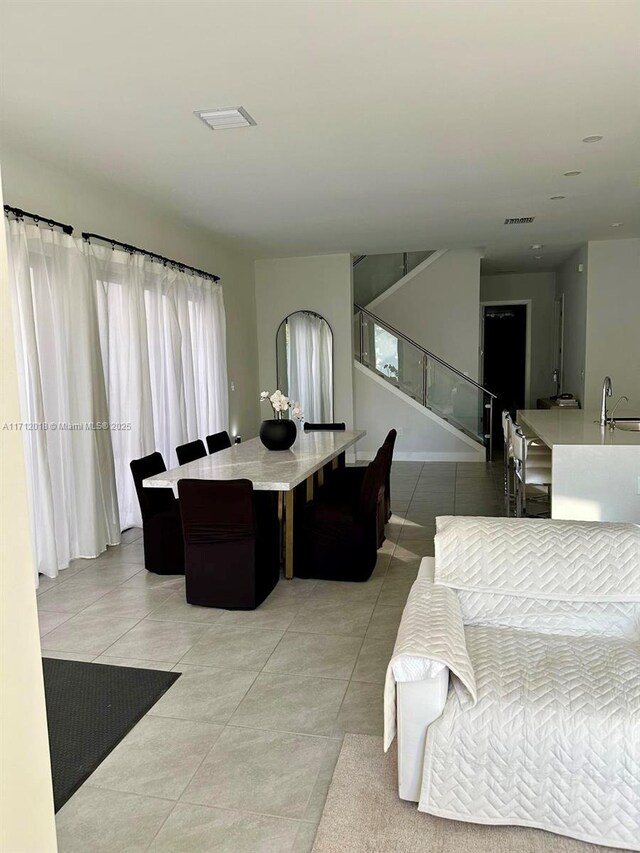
(118, 278)
(70, 472)
(162, 334)
(309, 365)
(118, 356)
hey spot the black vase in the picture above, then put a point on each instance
(278, 434)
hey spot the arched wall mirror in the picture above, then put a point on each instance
(304, 356)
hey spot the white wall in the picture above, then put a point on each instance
(320, 283)
(422, 436)
(540, 288)
(613, 321)
(573, 284)
(90, 205)
(26, 799)
(439, 308)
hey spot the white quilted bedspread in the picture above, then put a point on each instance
(540, 623)
(553, 740)
(614, 618)
(430, 637)
(568, 560)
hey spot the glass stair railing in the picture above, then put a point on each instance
(424, 377)
(373, 274)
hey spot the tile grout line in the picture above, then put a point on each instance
(297, 604)
(375, 603)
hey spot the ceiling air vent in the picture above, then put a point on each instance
(519, 220)
(227, 118)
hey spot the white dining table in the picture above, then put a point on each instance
(269, 470)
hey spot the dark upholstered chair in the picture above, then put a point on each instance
(161, 526)
(230, 543)
(339, 538)
(390, 442)
(329, 427)
(190, 451)
(349, 480)
(218, 441)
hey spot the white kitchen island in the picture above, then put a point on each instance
(595, 470)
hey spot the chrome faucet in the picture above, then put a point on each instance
(607, 391)
(612, 423)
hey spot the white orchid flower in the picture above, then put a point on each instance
(279, 402)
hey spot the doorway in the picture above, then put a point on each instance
(558, 346)
(504, 355)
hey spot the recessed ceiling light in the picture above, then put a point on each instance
(226, 118)
(592, 138)
(537, 246)
(572, 173)
(616, 224)
(538, 257)
(557, 197)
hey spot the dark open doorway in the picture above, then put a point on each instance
(504, 358)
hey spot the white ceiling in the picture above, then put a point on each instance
(382, 126)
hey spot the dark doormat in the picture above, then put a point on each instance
(90, 708)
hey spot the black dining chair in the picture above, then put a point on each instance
(231, 541)
(161, 526)
(190, 451)
(329, 427)
(340, 535)
(218, 441)
(349, 480)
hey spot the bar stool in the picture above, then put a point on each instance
(536, 447)
(530, 470)
(508, 457)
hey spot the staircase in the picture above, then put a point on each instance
(421, 375)
(374, 274)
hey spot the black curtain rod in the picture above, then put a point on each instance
(20, 214)
(129, 248)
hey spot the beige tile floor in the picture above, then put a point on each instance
(238, 755)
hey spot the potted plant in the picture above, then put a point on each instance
(279, 433)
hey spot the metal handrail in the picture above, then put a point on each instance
(426, 352)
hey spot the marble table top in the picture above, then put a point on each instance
(268, 470)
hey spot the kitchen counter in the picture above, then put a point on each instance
(595, 471)
(574, 426)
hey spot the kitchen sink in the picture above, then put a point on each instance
(627, 424)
